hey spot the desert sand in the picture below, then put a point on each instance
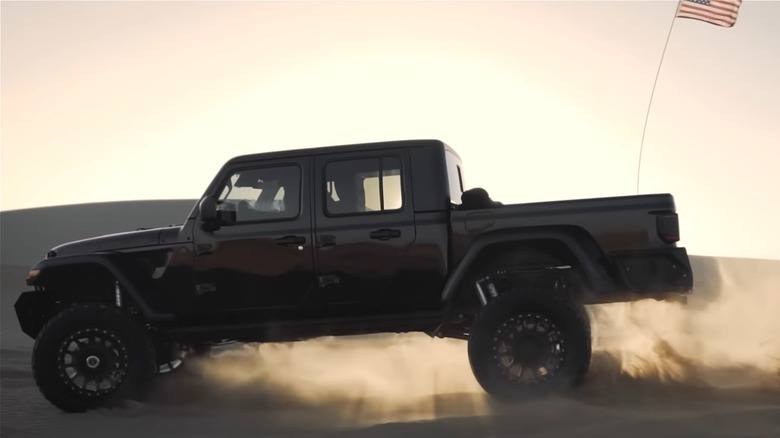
(710, 368)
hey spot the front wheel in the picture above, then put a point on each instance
(529, 342)
(92, 355)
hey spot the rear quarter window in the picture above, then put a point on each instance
(454, 176)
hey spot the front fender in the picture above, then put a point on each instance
(120, 269)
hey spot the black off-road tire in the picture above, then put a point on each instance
(98, 345)
(558, 330)
(174, 358)
(199, 350)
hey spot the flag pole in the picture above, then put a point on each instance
(652, 93)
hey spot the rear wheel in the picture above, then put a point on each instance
(529, 342)
(92, 355)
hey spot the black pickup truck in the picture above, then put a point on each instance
(348, 240)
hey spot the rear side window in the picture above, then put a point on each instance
(364, 186)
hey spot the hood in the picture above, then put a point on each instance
(111, 242)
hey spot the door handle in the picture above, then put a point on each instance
(291, 241)
(385, 234)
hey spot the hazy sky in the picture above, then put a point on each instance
(106, 101)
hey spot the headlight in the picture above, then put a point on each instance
(32, 275)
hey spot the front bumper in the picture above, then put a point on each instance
(33, 309)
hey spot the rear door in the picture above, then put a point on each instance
(365, 229)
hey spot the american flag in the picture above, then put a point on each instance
(718, 12)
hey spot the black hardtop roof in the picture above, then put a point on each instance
(341, 148)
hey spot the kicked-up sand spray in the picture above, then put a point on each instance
(726, 337)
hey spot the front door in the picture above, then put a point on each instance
(364, 229)
(262, 260)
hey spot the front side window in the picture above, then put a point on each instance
(362, 186)
(268, 193)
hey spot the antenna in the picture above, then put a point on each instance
(652, 93)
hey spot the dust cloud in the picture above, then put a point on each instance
(726, 337)
(360, 380)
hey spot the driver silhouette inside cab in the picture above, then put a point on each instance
(277, 193)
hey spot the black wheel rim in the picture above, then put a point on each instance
(93, 362)
(529, 348)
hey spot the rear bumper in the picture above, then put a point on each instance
(654, 271)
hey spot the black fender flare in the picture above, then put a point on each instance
(113, 265)
(583, 248)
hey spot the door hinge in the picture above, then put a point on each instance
(202, 288)
(327, 280)
(204, 248)
(326, 240)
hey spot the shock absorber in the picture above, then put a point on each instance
(485, 284)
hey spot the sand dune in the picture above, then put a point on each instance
(29, 233)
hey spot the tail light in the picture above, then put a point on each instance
(668, 226)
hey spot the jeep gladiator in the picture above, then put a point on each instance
(346, 240)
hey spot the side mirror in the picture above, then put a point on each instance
(208, 209)
(208, 213)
